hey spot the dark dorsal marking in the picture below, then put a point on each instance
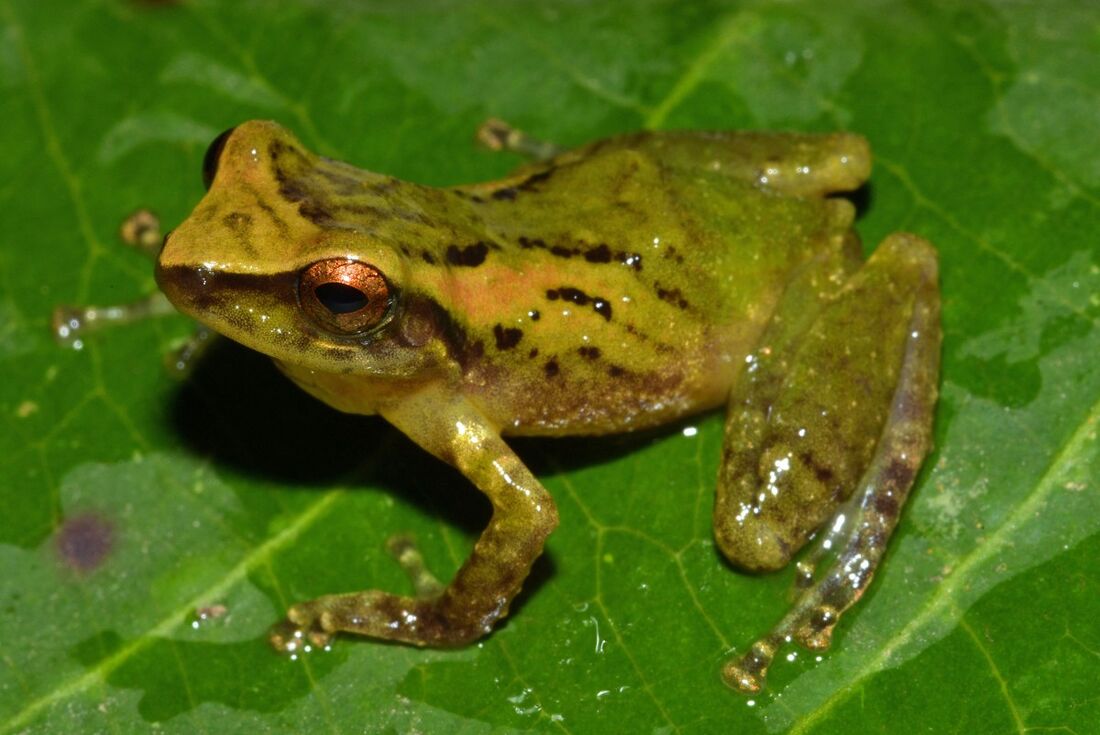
(424, 319)
(469, 256)
(238, 222)
(342, 183)
(589, 352)
(823, 473)
(580, 298)
(529, 184)
(551, 367)
(599, 254)
(507, 337)
(529, 243)
(673, 296)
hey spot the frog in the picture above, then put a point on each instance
(619, 286)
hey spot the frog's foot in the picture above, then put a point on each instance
(71, 324)
(497, 135)
(141, 230)
(375, 614)
(372, 613)
(855, 544)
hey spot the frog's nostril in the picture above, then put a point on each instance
(210, 160)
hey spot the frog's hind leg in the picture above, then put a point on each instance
(794, 465)
(796, 164)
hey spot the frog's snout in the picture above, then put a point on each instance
(189, 288)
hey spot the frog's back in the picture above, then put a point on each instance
(626, 280)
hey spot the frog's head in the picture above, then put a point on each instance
(264, 260)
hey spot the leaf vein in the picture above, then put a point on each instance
(984, 650)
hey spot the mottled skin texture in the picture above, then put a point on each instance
(617, 286)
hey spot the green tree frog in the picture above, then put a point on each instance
(622, 285)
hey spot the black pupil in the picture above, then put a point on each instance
(340, 298)
(210, 160)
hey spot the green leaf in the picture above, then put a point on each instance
(130, 502)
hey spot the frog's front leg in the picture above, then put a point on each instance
(72, 324)
(497, 135)
(829, 432)
(524, 514)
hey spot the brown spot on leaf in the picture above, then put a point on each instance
(84, 541)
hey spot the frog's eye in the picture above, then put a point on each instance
(210, 160)
(344, 296)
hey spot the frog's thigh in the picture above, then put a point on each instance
(798, 440)
(799, 164)
(479, 595)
